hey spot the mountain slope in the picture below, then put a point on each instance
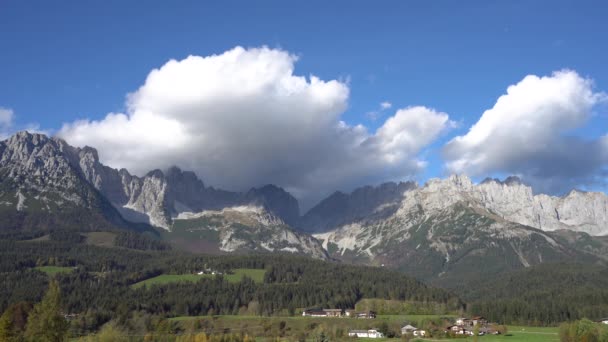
(443, 233)
(41, 188)
(580, 211)
(366, 203)
(158, 197)
(541, 294)
(510, 199)
(47, 184)
(240, 229)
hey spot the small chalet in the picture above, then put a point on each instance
(371, 333)
(479, 320)
(408, 329)
(412, 330)
(603, 321)
(458, 330)
(471, 322)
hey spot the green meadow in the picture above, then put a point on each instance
(52, 270)
(256, 275)
(256, 325)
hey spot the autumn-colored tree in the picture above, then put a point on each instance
(45, 323)
(13, 322)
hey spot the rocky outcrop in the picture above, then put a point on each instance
(579, 211)
(451, 228)
(247, 228)
(363, 204)
(40, 178)
(45, 183)
(276, 200)
(158, 197)
(510, 200)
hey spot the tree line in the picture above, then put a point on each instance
(99, 286)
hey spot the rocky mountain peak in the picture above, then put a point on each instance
(156, 173)
(89, 152)
(47, 177)
(513, 180)
(276, 200)
(363, 203)
(175, 176)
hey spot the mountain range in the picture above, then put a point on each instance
(441, 231)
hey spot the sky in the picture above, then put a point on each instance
(317, 96)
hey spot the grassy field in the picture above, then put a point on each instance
(269, 325)
(522, 334)
(255, 274)
(294, 325)
(412, 318)
(52, 270)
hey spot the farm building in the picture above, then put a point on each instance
(371, 333)
(412, 330)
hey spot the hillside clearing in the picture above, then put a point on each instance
(256, 275)
(52, 270)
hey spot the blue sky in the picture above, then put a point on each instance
(68, 60)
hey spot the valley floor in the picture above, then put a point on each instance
(262, 328)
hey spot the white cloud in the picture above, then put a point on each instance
(8, 126)
(376, 114)
(6, 117)
(6, 122)
(528, 132)
(243, 118)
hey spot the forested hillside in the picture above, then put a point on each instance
(540, 295)
(97, 282)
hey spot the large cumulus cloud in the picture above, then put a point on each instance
(530, 132)
(243, 118)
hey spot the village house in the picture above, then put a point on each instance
(479, 320)
(471, 322)
(371, 333)
(338, 313)
(333, 312)
(412, 330)
(465, 326)
(458, 330)
(408, 329)
(603, 321)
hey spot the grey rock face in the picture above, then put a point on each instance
(154, 198)
(243, 229)
(363, 204)
(41, 175)
(158, 197)
(277, 200)
(579, 211)
(511, 200)
(452, 228)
